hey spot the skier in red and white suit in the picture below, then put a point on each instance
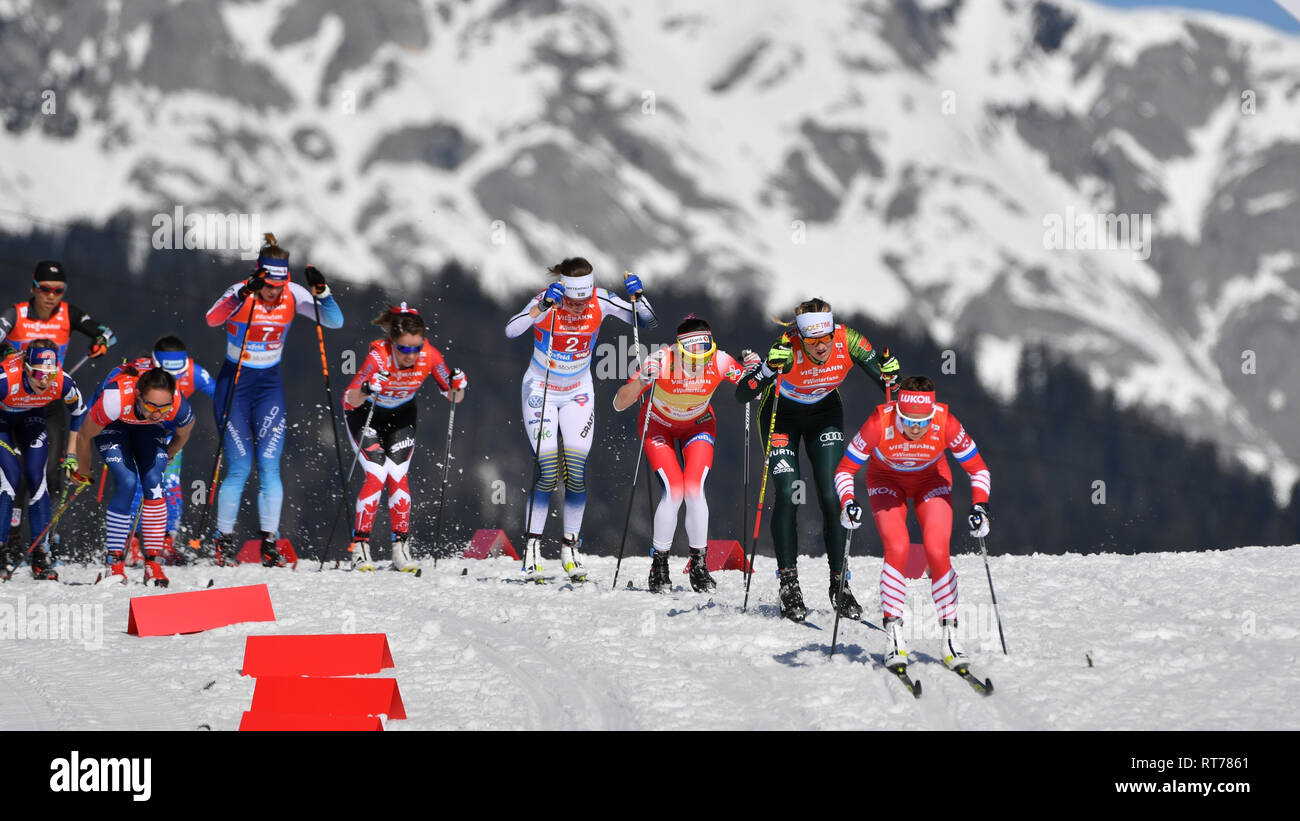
(390, 376)
(683, 378)
(908, 438)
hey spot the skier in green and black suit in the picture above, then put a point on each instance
(810, 361)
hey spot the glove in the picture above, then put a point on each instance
(459, 381)
(632, 284)
(650, 370)
(780, 357)
(554, 293)
(851, 515)
(979, 519)
(68, 464)
(375, 384)
(749, 360)
(79, 479)
(316, 280)
(888, 368)
(254, 284)
(100, 346)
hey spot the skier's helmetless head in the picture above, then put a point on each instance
(155, 391)
(406, 331)
(274, 260)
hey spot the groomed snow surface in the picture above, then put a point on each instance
(1176, 640)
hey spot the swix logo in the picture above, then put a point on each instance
(405, 443)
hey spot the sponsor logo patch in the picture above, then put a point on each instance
(782, 467)
(780, 440)
(534, 401)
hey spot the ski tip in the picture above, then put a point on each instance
(916, 691)
(210, 583)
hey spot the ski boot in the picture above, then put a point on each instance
(792, 606)
(533, 559)
(170, 554)
(225, 551)
(8, 561)
(953, 655)
(116, 570)
(153, 572)
(571, 559)
(698, 567)
(895, 645)
(844, 603)
(359, 550)
(270, 556)
(41, 566)
(660, 580)
(402, 554)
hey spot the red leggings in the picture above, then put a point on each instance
(696, 439)
(930, 493)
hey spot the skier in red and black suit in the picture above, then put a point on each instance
(47, 316)
(905, 441)
(393, 371)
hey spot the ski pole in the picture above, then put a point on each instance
(365, 431)
(225, 422)
(744, 516)
(329, 394)
(762, 488)
(446, 465)
(541, 424)
(80, 362)
(103, 476)
(839, 592)
(58, 513)
(636, 350)
(989, 573)
(631, 496)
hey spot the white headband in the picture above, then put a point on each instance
(579, 287)
(815, 324)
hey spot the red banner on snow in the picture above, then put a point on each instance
(328, 696)
(323, 655)
(488, 544)
(304, 721)
(171, 613)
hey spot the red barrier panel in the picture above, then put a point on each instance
(724, 554)
(335, 696)
(251, 552)
(171, 613)
(307, 721)
(916, 562)
(488, 544)
(324, 655)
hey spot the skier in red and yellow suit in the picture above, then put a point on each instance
(682, 380)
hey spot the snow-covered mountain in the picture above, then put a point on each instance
(911, 159)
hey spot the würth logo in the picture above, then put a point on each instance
(77, 774)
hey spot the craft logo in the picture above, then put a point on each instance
(127, 775)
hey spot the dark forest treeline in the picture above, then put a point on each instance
(1052, 452)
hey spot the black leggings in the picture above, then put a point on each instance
(820, 427)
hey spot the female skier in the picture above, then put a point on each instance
(908, 438)
(682, 379)
(557, 395)
(808, 364)
(393, 371)
(257, 314)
